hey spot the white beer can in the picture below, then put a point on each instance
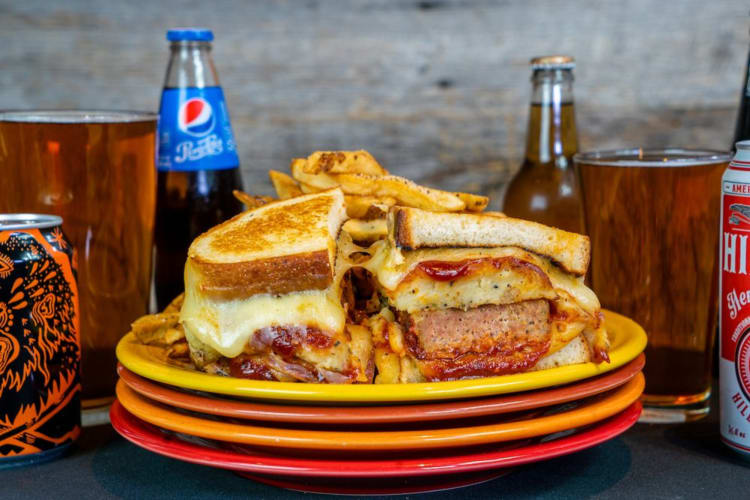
(734, 296)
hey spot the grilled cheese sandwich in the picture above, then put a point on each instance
(463, 277)
(262, 297)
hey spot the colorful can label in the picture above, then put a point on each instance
(194, 130)
(40, 411)
(734, 296)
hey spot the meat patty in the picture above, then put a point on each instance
(491, 329)
(488, 340)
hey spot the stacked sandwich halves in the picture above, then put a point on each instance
(281, 293)
(472, 295)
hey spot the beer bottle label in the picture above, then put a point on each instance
(194, 130)
(734, 360)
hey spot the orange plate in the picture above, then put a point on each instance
(594, 410)
(225, 407)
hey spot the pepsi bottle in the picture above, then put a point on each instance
(197, 160)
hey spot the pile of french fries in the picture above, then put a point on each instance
(164, 330)
(366, 184)
(369, 190)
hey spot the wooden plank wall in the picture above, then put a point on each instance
(436, 89)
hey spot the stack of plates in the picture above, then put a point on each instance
(368, 439)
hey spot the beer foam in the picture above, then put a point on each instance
(671, 157)
(76, 116)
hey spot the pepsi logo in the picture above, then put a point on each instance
(195, 117)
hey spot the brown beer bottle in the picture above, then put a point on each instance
(547, 188)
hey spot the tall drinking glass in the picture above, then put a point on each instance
(96, 170)
(653, 220)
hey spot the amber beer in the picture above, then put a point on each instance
(96, 170)
(547, 187)
(652, 217)
(734, 297)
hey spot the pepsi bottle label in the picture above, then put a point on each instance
(194, 130)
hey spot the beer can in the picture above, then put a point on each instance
(40, 410)
(734, 296)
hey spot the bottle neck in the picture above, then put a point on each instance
(191, 65)
(746, 87)
(552, 137)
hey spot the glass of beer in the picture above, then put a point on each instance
(653, 220)
(96, 169)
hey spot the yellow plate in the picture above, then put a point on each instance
(593, 410)
(627, 340)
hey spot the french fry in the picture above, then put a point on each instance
(179, 350)
(251, 201)
(367, 207)
(176, 305)
(473, 202)
(378, 326)
(319, 181)
(366, 230)
(357, 206)
(388, 366)
(174, 334)
(359, 174)
(402, 190)
(158, 329)
(377, 211)
(343, 162)
(396, 338)
(307, 188)
(285, 186)
(409, 372)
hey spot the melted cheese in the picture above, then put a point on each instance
(578, 304)
(391, 266)
(227, 325)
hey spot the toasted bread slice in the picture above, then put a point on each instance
(413, 228)
(575, 352)
(280, 247)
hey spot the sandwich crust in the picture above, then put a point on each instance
(412, 229)
(280, 247)
(276, 275)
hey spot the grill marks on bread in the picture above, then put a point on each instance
(278, 248)
(257, 232)
(412, 229)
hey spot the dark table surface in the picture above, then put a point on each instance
(649, 461)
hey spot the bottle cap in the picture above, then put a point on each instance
(190, 34)
(553, 62)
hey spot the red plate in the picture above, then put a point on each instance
(257, 461)
(227, 407)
